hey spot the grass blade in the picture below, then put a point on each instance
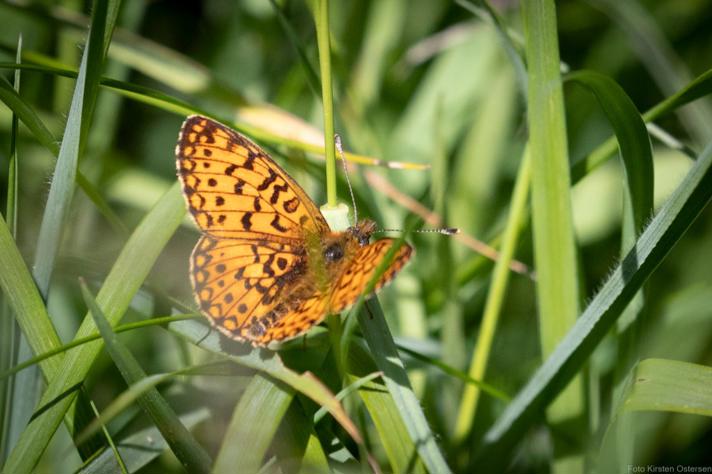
(124, 279)
(387, 419)
(140, 448)
(385, 353)
(552, 218)
(668, 226)
(633, 141)
(250, 429)
(671, 385)
(271, 364)
(302, 448)
(184, 446)
(495, 299)
(63, 180)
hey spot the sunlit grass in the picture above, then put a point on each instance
(458, 365)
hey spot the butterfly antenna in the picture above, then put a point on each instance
(337, 142)
(444, 231)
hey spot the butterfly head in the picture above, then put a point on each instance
(362, 231)
(342, 244)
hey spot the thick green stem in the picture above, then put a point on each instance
(321, 18)
(554, 247)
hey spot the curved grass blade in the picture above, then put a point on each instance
(271, 364)
(83, 340)
(174, 105)
(670, 385)
(254, 422)
(354, 386)
(633, 141)
(136, 390)
(140, 448)
(668, 226)
(637, 156)
(190, 453)
(698, 88)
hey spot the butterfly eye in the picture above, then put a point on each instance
(363, 240)
(333, 252)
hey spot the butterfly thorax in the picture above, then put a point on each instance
(327, 254)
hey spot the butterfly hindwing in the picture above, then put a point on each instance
(238, 282)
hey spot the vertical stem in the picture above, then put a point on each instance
(554, 245)
(321, 17)
(495, 298)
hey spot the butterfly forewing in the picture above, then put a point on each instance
(234, 190)
(359, 271)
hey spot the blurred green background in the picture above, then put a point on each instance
(419, 82)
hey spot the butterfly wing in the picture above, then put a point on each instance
(352, 278)
(359, 270)
(238, 282)
(235, 190)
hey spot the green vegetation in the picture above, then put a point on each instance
(573, 139)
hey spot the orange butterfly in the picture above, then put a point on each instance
(267, 267)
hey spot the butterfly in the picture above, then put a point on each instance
(267, 266)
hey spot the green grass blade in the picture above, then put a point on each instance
(453, 372)
(302, 447)
(25, 301)
(671, 385)
(250, 429)
(38, 129)
(63, 180)
(126, 399)
(633, 141)
(12, 414)
(140, 448)
(696, 89)
(320, 9)
(110, 441)
(495, 299)
(385, 353)
(392, 432)
(552, 219)
(83, 340)
(124, 279)
(354, 386)
(668, 226)
(184, 446)
(637, 156)
(271, 364)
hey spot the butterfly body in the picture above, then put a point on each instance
(267, 267)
